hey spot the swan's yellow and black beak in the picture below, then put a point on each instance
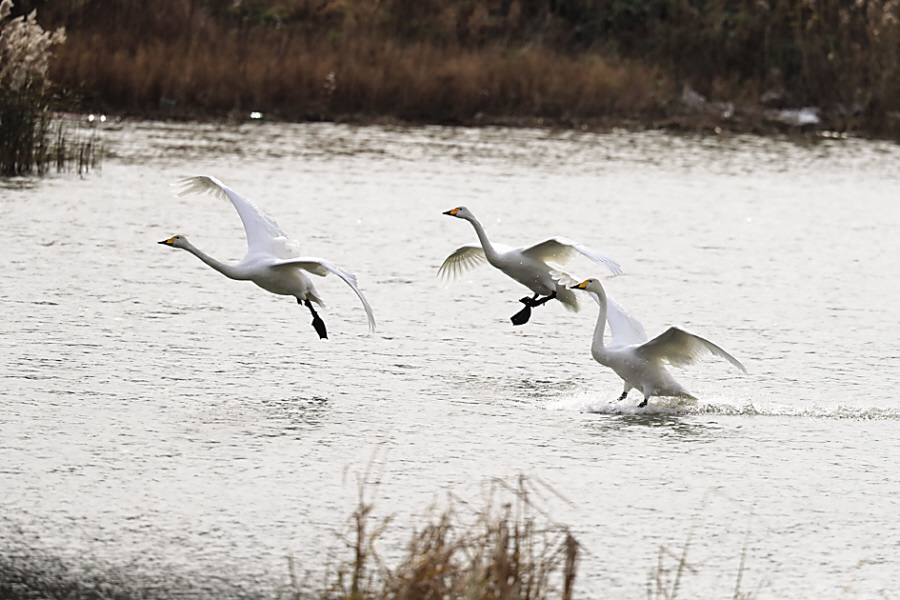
(581, 285)
(168, 242)
(452, 213)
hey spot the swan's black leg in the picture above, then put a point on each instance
(317, 323)
(521, 317)
(622, 397)
(529, 301)
(545, 299)
(644, 403)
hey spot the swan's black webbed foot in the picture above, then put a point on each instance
(644, 403)
(622, 397)
(521, 317)
(317, 323)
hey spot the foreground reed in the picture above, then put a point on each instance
(511, 549)
(507, 551)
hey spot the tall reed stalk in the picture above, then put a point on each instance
(32, 139)
(509, 550)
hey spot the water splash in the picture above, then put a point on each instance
(588, 403)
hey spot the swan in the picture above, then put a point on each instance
(639, 361)
(527, 265)
(273, 260)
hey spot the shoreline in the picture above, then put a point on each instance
(683, 123)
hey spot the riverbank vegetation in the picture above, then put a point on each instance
(738, 63)
(33, 137)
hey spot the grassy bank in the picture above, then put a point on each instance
(472, 61)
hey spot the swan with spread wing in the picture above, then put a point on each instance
(638, 361)
(528, 265)
(273, 260)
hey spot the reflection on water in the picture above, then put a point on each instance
(672, 424)
(160, 418)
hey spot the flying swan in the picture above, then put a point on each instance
(528, 265)
(273, 260)
(638, 361)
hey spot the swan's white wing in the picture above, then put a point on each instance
(624, 328)
(561, 250)
(263, 233)
(566, 296)
(682, 348)
(461, 260)
(322, 267)
(466, 258)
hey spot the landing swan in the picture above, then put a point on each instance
(527, 265)
(273, 260)
(638, 361)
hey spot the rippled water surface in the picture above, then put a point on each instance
(159, 417)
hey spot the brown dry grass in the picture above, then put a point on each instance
(506, 551)
(298, 77)
(458, 60)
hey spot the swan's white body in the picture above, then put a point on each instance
(273, 260)
(527, 265)
(639, 362)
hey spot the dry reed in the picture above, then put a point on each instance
(32, 138)
(506, 551)
(299, 78)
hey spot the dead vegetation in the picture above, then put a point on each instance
(509, 550)
(471, 61)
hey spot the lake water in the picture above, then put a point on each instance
(161, 418)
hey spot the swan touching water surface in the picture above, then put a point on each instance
(639, 361)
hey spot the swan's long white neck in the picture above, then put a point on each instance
(489, 251)
(598, 349)
(223, 268)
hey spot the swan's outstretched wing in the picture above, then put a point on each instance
(561, 250)
(263, 233)
(461, 260)
(466, 258)
(624, 328)
(322, 267)
(682, 348)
